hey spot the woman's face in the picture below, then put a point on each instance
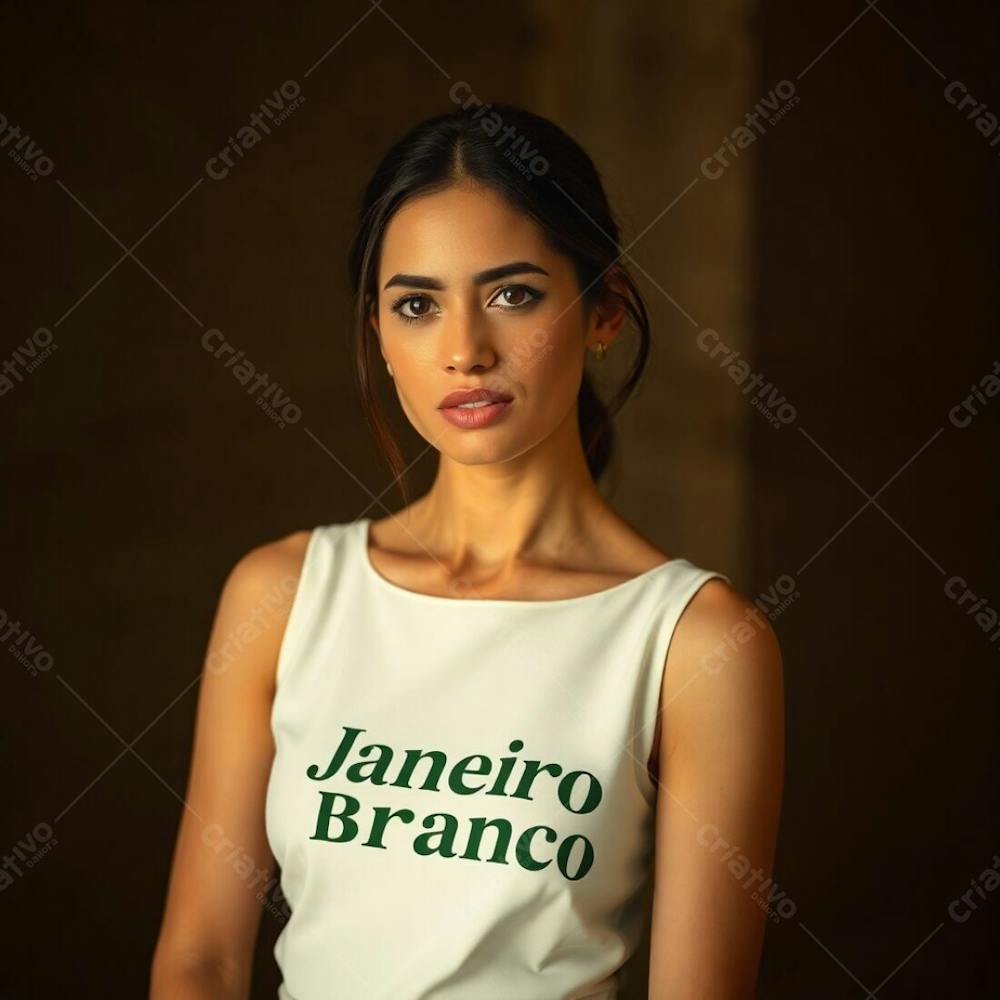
(469, 297)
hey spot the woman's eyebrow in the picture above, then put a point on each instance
(482, 278)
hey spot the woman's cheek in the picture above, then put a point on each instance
(552, 372)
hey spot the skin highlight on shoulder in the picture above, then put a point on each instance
(720, 633)
(257, 598)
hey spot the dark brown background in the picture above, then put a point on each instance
(850, 254)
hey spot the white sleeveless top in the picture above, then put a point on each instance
(459, 801)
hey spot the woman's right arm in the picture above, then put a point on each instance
(212, 916)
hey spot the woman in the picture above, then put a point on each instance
(481, 726)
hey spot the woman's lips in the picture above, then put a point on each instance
(479, 394)
(476, 413)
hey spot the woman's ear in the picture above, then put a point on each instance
(609, 311)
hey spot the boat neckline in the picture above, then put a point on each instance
(362, 533)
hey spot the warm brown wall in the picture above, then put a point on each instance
(878, 214)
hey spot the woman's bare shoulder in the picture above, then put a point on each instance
(256, 601)
(720, 612)
(272, 560)
(725, 643)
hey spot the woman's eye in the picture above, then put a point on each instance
(522, 293)
(415, 313)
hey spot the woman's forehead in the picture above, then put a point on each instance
(456, 233)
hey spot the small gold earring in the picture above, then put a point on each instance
(602, 350)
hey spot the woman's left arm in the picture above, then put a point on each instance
(721, 760)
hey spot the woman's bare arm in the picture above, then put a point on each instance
(721, 759)
(210, 923)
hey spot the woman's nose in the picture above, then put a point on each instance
(466, 343)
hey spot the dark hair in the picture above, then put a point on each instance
(543, 173)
